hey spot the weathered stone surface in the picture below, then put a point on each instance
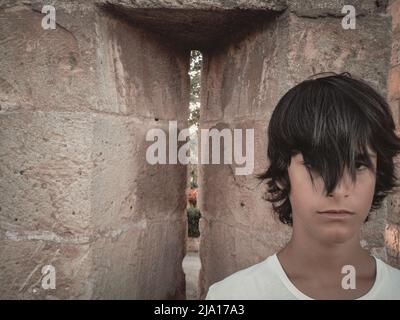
(79, 181)
(134, 66)
(47, 69)
(76, 191)
(242, 80)
(167, 4)
(144, 262)
(114, 266)
(22, 263)
(125, 187)
(204, 4)
(315, 9)
(394, 12)
(320, 45)
(395, 50)
(392, 238)
(248, 78)
(394, 83)
(45, 169)
(192, 28)
(373, 231)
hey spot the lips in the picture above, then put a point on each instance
(340, 211)
(336, 214)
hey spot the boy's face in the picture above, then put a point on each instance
(309, 201)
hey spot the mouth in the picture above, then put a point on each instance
(336, 214)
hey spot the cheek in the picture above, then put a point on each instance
(365, 188)
(303, 194)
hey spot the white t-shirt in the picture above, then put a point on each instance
(268, 281)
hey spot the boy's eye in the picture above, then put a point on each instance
(307, 165)
(360, 166)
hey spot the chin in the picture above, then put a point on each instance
(337, 235)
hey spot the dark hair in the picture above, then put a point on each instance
(331, 120)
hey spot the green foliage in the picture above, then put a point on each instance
(195, 83)
(194, 116)
(195, 75)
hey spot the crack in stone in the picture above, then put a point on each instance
(45, 235)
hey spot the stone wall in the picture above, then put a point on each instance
(392, 234)
(76, 191)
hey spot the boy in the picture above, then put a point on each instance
(331, 144)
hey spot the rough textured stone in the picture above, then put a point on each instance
(47, 69)
(396, 50)
(76, 189)
(315, 9)
(394, 210)
(80, 182)
(394, 83)
(319, 45)
(75, 106)
(147, 263)
(203, 4)
(394, 11)
(392, 236)
(45, 171)
(21, 273)
(393, 222)
(134, 65)
(192, 28)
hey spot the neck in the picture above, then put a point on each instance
(308, 251)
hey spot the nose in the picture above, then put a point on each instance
(343, 187)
